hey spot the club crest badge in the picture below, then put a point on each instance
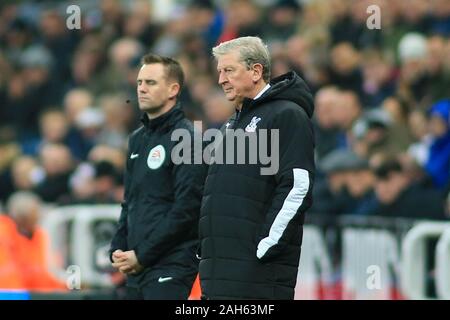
(251, 127)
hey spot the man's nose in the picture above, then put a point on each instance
(222, 78)
(142, 89)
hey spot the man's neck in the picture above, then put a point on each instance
(166, 108)
(256, 90)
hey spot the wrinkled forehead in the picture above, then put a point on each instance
(233, 58)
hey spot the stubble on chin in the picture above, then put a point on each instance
(150, 109)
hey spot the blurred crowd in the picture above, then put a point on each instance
(382, 117)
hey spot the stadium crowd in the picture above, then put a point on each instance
(382, 96)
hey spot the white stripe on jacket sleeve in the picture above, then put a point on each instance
(287, 212)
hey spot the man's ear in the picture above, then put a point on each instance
(174, 90)
(257, 69)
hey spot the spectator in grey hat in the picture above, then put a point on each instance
(360, 182)
(331, 193)
(354, 178)
(374, 134)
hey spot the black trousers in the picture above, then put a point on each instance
(174, 289)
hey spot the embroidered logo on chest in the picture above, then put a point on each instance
(156, 157)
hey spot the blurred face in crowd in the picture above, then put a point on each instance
(376, 71)
(393, 107)
(298, 51)
(417, 123)
(22, 173)
(436, 53)
(413, 10)
(283, 16)
(75, 101)
(52, 25)
(325, 102)
(348, 111)
(344, 58)
(56, 159)
(437, 126)
(441, 8)
(389, 188)
(238, 81)
(336, 181)
(359, 182)
(412, 69)
(54, 126)
(156, 93)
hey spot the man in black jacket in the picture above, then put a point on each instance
(251, 223)
(157, 236)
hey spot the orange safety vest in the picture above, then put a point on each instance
(10, 275)
(29, 258)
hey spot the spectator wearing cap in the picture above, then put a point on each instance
(330, 189)
(396, 196)
(374, 134)
(350, 182)
(360, 182)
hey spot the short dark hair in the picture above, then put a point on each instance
(104, 169)
(384, 170)
(172, 67)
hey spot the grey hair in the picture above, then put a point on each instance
(21, 203)
(251, 50)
